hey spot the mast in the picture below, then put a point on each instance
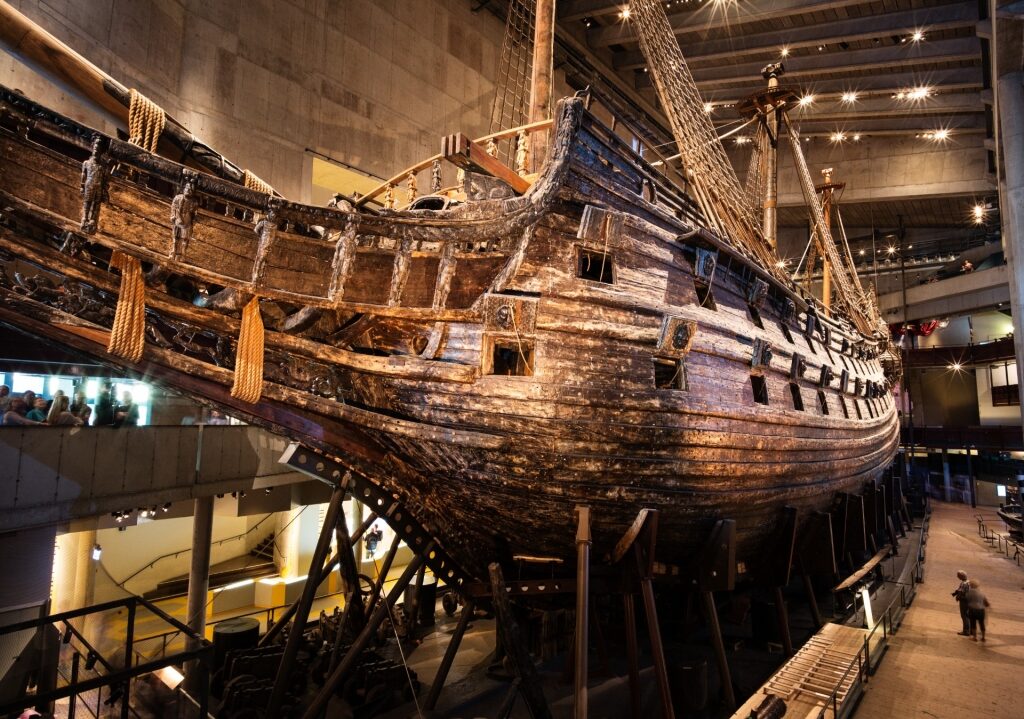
(766, 105)
(541, 76)
(771, 190)
(826, 191)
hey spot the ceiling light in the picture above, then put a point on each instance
(784, 51)
(849, 97)
(624, 13)
(856, 138)
(918, 93)
(979, 214)
(821, 48)
(837, 137)
(861, 252)
(891, 250)
(708, 107)
(805, 100)
(956, 367)
(918, 36)
(940, 135)
(742, 140)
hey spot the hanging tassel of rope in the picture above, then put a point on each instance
(253, 182)
(248, 385)
(145, 121)
(128, 335)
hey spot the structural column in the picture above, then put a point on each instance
(1010, 106)
(198, 581)
(540, 78)
(947, 481)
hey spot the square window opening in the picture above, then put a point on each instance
(512, 359)
(786, 332)
(822, 402)
(798, 400)
(760, 387)
(704, 296)
(669, 374)
(595, 266)
(755, 316)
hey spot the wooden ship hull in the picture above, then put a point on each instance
(485, 367)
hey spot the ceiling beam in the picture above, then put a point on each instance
(943, 81)
(879, 107)
(871, 59)
(708, 16)
(944, 17)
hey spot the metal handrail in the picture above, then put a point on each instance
(189, 549)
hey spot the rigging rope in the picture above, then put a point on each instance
(512, 88)
(855, 303)
(709, 170)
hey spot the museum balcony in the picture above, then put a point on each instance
(53, 475)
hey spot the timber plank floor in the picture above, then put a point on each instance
(929, 671)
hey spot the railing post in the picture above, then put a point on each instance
(129, 640)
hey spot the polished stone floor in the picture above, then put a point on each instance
(930, 671)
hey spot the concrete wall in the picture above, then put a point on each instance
(372, 83)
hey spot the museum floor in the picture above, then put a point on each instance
(930, 671)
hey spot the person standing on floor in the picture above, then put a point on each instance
(127, 413)
(977, 603)
(960, 594)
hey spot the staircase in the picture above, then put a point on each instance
(258, 563)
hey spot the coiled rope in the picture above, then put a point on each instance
(248, 383)
(128, 334)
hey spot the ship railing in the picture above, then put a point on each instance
(394, 183)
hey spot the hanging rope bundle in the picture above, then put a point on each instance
(253, 182)
(248, 385)
(128, 335)
(145, 121)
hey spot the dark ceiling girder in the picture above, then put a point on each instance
(872, 59)
(944, 17)
(711, 16)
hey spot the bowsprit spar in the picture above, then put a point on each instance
(728, 207)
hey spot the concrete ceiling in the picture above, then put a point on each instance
(835, 47)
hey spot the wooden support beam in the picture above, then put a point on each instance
(463, 152)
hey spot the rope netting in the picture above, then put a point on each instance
(512, 85)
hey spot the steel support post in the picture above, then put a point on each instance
(783, 619)
(632, 653)
(719, 645)
(449, 656)
(198, 583)
(316, 566)
(583, 540)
